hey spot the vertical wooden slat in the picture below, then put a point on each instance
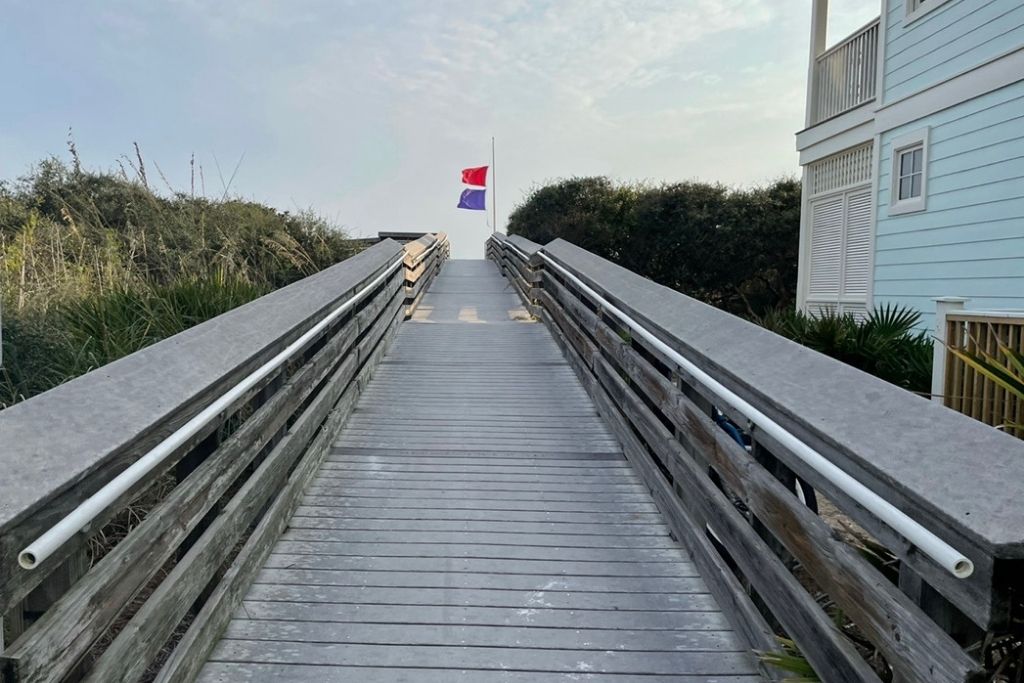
(984, 398)
(1017, 414)
(954, 367)
(970, 375)
(1004, 333)
(949, 379)
(999, 395)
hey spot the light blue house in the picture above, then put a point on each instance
(913, 159)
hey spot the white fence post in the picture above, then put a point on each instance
(944, 305)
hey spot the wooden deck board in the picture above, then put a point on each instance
(476, 521)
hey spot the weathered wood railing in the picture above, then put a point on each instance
(154, 603)
(745, 512)
(511, 254)
(423, 259)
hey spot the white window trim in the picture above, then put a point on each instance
(913, 14)
(900, 144)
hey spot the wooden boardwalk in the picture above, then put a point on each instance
(467, 527)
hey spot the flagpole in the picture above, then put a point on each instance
(494, 190)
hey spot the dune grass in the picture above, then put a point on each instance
(96, 265)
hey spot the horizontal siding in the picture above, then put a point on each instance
(949, 40)
(926, 305)
(996, 228)
(970, 240)
(974, 288)
(949, 259)
(937, 257)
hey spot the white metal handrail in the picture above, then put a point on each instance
(946, 556)
(76, 520)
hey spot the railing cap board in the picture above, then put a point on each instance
(53, 441)
(1008, 316)
(526, 246)
(961, 471)
(418, 246)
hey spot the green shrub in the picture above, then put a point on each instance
(592, 213)
(734, 249)
(72, 338)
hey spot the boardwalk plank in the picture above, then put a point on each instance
(530, 582)
(436, 538)
(483, 658)
(490, 566)
(249, 672)
(559, 502)
(473, 514)
(483, 636)
(480, 526)
(652, 620)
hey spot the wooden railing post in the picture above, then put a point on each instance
(943, 307)
(519, 265)
(422, 261)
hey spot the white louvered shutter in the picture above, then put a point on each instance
(857, 310)
(822, 308)
(841, 214)
(857, 254)
(826, 247)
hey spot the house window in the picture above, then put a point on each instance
(909, 173)
(917, 8)
(908, 185)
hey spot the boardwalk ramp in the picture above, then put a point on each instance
(543, 467)
(476, 521)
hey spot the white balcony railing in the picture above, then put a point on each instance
(845, 75)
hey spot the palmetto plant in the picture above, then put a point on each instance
(886, 343)
(790, 660)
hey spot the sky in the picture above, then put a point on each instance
(366, 112)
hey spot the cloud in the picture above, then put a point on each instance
(463, 59)
(366, 110)
(659, 89)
